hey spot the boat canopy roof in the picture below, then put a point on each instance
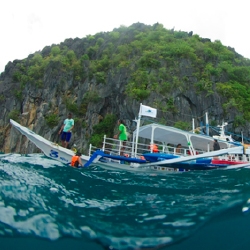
(170, 135)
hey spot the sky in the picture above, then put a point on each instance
(27, 26)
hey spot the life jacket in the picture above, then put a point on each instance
(154, 148)
(75, 161)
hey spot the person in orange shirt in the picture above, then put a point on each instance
(76, 160)
(154, 148)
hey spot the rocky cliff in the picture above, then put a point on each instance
(180, 74)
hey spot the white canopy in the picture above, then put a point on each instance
(165, 134)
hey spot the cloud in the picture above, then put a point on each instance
(28, 26)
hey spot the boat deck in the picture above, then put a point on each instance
(114, 147)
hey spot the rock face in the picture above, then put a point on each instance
(39, 102)
(96, 90)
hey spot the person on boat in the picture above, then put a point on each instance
(154, 148)
(216, 145)
(142, 158)
(178, 149)
(76, 160)
(122, 135)
(65, 130)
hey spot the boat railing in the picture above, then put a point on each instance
(92, 149)
(115, 147)
(234, 157)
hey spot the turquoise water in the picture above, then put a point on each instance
(46, 204)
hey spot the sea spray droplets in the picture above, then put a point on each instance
(245, 209)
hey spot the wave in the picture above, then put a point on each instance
(45, 202)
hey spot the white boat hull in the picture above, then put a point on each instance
(64, 155)
(49, 148)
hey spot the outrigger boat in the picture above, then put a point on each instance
(194, 154)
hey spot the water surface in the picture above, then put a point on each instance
(46, 204)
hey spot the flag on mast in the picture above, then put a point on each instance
(148, 111)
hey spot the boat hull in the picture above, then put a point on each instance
(155, 161)
(227, 162)
(50, 149)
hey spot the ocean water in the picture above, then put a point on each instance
(47, 205)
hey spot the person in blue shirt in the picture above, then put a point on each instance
(66, 129)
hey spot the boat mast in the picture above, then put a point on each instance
(207, 125)
(137, 130)
(193, 125)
